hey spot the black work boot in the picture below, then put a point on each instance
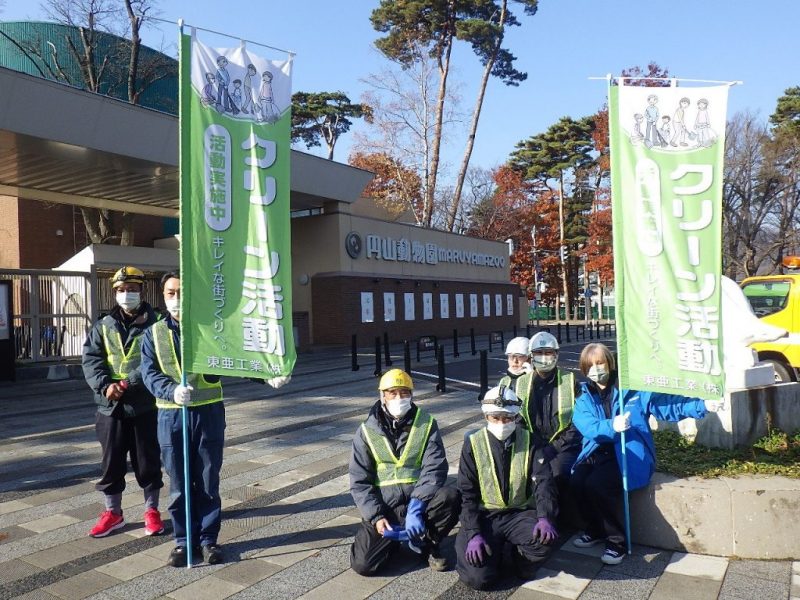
(177, 558)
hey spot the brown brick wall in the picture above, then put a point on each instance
(336, 305)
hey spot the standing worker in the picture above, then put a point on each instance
(398, 471)
(548, 399)
(596, 475)
(126, 420)
(508, 495)
(518, 365)
(162, 372)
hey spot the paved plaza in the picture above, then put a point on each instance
(288, 517)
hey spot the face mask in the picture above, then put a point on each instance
(398, 407)
(544, 363)
(128, 300)
(501, 430)
(598, 374)
(515, 371)
(174, 306)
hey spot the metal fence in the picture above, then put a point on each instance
(52, 312)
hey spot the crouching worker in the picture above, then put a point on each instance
(398, 470)
(508, 495)
(596, 476)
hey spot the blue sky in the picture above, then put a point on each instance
(564, 44)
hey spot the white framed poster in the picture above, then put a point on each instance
(444, 306)
(487, 305)
(473, 305)
(427, 306)
(367, 309)
(459, 306)
(388, 306)
(510, 304)
(408, 301)
(498, 305)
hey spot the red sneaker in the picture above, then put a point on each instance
(108, 522)
(152, 522)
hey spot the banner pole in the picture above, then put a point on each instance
(184, 410)
(625, 498)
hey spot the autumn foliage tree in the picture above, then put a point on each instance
(395, 187)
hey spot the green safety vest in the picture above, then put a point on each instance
(392, 470)
(565, 382)
(120, 362)
(491, 492)
(203, 392)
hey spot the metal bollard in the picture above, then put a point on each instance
(377, 356)
(528, 330)
(472, 340)
(558, 332)
(490, 341)
(591, 330)
(354, 353)
(484, 375)
(597, 324)
(456, 353)
(386, 353)
(568, 340)
(441, 386)
(407, 356)
(515, 331)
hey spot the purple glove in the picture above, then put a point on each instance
(476, 548)
(544, 531)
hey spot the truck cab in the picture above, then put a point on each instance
(775, 299)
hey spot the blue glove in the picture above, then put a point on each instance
(399, 535)
(415, 519)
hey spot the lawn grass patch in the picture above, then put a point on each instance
(775, 454)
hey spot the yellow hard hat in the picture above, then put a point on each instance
(395, 378)
(127, 275)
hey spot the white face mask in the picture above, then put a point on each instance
(174, 306)
(129, 300)
(501, 430)
(398, 407)
(544, 363)
(598, 374)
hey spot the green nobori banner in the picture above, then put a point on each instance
(667, 148)
(236, 268)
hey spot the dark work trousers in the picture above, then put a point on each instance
(561, 466)
(206, 439)
(597, 486)
(516, 528)
(135, 436)
(370, 550)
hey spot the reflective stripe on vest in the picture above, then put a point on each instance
(203, 392)
(565, 381)
(120, 363)
(406, 469)
(491, 492)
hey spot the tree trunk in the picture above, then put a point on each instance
(476, 115)
(430, 187)
(133, 62)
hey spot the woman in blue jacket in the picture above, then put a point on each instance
(596, 476)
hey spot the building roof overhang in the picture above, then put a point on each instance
(66, 145)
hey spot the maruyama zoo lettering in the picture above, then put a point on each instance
(404, 250)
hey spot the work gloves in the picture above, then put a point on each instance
(715, 405)
(277, 382)
(182, 394)
(477, 551)
(621, 422)
(415, 520)
(544, 531)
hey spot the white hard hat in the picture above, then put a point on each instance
(518, 345)
(543, 341)
(500, 400)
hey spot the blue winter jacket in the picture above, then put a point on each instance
(590, 419)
